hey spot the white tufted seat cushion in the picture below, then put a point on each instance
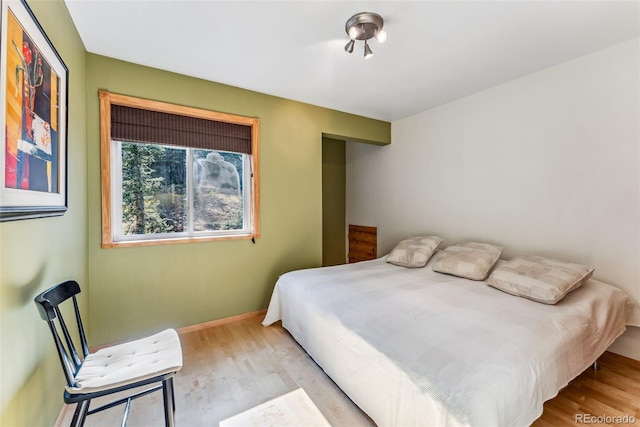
(129, 362)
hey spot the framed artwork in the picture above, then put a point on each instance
(33, 107)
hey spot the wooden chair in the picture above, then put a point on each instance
(150, 361)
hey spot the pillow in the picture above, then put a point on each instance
(538, 278)
(414, 252)
(470, 260)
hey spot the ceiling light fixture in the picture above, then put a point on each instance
(364, 26)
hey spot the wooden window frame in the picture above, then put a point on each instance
(106, 99)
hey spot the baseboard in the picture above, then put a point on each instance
(63, 415)
(627, 344)
(218, 322)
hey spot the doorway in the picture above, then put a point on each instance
(334, 182)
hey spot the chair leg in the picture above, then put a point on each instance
(173, 395)
(80, 414)
(167, 393)
(125, 415)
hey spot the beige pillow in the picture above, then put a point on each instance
(538, 278)
(470, 260)
(414, 252)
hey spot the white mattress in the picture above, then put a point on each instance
(416, 347)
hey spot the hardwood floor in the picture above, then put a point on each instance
(613, 390)
(232, 367)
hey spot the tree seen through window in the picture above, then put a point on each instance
(155, 190)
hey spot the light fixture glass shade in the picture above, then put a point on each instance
(367, 51)
(353, 33)
(349, 46)
(382, 36)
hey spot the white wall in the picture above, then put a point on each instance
(547, 164)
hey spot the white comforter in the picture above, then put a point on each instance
(416, 347)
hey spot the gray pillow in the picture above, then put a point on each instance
(414, 252)
(540, 279)
(471, 260)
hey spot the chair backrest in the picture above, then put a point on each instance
(48, 305)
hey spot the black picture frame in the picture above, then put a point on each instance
(34, 108)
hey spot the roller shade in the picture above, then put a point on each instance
(146, 126)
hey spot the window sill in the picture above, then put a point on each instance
(177, 241)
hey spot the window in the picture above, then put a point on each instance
(173, 174)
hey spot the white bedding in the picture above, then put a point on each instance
(416, 347)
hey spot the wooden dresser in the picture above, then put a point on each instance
(363, 243)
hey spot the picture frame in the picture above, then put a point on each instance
(33, 108)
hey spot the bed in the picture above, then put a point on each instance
(411, 346)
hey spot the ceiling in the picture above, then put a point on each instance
(436, 51)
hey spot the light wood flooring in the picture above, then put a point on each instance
(232, 367)
(613, 390)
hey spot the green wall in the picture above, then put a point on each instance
(38, 253)
(138, 290)
(334, 210)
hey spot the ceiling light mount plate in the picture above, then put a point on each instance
(364, 25)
